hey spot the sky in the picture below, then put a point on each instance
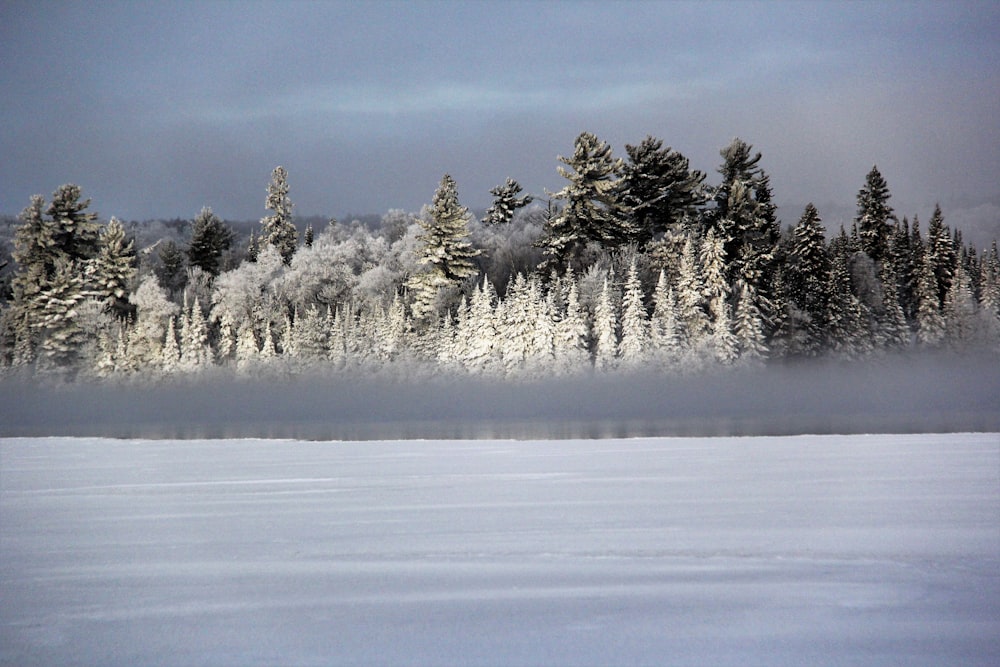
(159, 108)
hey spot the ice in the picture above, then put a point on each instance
(663, 551)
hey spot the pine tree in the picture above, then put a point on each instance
(605, 330)
(635, 341)
(875, 217)
(210, 238)
(659, 191)
(725, 345)
(112, 270)
(930, 323)
(277, 229)
(170, 357)
(960, 317)
(690, 297)
(892, 325)
(445, 254)
(52, 250)
(940, 253)
(505, 203)
(592, 211)
(309, 236)
(170, 273)
(571, 351)
(247, 352)
(665, 331)
(808, 278)
(749, 327)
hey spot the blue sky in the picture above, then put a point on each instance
(159, 108)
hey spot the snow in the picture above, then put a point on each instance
(797, 550)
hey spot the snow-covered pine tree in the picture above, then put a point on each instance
(807, 278)
(635, 343)
(930, 322)
(210, 238)
(690, 297)
(940, 253)
(875, 217)
(894, 334)
(743, 219)
(277, 229)
(505, 203)
(989, 297)
(749, 328)
(110, 272)
(570, 349)
(659, 191)
(592, 211)
(61, 337)
(666, 333)
(713, 272)
(153, 309)
(170, 357)
(445, 255)
(725, 345)
(960, 317)
(247, 352)
(605, 330)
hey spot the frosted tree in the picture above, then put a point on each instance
(170, 356)
(52, 247)
(749, 327)
(516, 321)
(111, 271)
(61, 336)
(893, 330)
(445, 254)
(940, 253)
(210, 239)
(571, 332)
(690, 296)
(196, 352)
(989, 299)
(505, 203)
(310, 334)
(875, 216)
(807, 279)
(713, 272)
(666, 333)
(277, 229)
(930, 322)
(725, 345)
(592, 211)
(659, 191)
(153, 311)
(605, 330)
(960, 317)
(476, 335)
(247, 352)
(635, 341)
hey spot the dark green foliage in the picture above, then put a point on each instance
(210, 238)
(659, 191)
(875, 216)
(505, 203)
(171, 272)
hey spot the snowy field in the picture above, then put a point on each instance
(802, 550)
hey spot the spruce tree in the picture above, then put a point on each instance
(277, 229)
(635, 341)
(210, 238)
(875, 217)
(445, 254)
(605, 330)
(940, 253)
(110, 273)
(807, 278)
(930, 323)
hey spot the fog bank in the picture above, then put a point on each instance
(898, 395)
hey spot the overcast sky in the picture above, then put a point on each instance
(159, 108)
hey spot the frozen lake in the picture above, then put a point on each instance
(801, 550)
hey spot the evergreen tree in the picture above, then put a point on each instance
(170, 272)
(210, 238)
(592, 211)
(505, 203)
(171, 355)
(808, 278)
(666, 334)
(52, 251)
(960, 317)
(309, 236)
(749, 327)
(930, 323)
(690, 296)
(605, 330)
(277, 229)
(875, 217)
(892, 325)
(571, 350)
(635, 342)
(940, 253)
(112, 270)
(659, 191)
(445, 254)
(743, 218)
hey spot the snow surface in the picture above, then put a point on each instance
(801, 550)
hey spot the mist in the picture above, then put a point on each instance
(904, 394)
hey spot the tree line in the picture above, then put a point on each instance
(636, 263)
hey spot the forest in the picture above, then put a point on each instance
(636, 263)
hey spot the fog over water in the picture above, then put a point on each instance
(903, 394)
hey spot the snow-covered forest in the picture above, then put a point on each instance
(638, 262)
